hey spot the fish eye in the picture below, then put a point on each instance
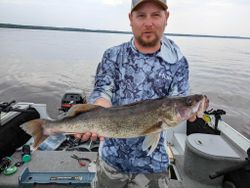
(189, 101)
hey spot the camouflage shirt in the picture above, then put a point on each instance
(126, 75)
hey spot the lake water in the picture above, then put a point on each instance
(39, 66)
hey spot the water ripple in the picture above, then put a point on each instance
(39, 66)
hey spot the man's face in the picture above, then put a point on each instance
(148, 22)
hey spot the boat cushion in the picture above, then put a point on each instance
(211, 145)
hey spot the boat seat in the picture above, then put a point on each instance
(205, 154)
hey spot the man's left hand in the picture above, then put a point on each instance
(206, 105)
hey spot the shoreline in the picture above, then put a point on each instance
(34, 27)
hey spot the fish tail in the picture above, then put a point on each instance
(35, 129)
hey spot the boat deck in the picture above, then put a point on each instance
(60, 161)
(47, 161)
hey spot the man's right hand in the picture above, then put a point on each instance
(93, 136)
(88, 135)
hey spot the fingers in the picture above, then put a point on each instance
(94, 137)
(83, 136)
(206, 102)
(88, 135)
(78, 135)
(192, 118)
(101, 138)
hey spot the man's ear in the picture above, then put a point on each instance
(130, 18)
(167, 16)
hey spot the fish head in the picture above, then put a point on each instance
(177, 109)
(186, 107)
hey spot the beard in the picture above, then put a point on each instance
(148, 42)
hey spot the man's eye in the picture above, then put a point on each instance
(156, 15)
(140, 16)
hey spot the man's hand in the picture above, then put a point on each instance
(88, 135)
(93, 136)
(194, 117)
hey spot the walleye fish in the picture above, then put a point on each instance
(145, 118)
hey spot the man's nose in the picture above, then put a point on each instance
(148, 21)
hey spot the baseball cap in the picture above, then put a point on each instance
(135, 3)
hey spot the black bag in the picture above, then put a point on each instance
(12, 136)
(239, 178)
(200, 126)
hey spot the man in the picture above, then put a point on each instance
(149, 66)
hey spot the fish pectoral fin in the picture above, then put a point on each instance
(35, 129)
(150, 142)
(80, 108)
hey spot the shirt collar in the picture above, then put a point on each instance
(169, 52)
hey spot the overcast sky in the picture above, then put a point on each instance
(215, 17)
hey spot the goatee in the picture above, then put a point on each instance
(145, 43)
(150, 43)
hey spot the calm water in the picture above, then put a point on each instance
(39, 66)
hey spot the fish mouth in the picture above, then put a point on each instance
(197, 109)
(201, 108)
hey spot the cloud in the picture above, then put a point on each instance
(114, 2)
(224, 17)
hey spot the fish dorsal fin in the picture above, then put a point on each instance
(150, 142)
(132, 104)
(80, 108)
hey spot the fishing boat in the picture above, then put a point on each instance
(218, 158)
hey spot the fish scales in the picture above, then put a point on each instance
(114, 123)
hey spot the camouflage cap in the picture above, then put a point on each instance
(135, 3)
